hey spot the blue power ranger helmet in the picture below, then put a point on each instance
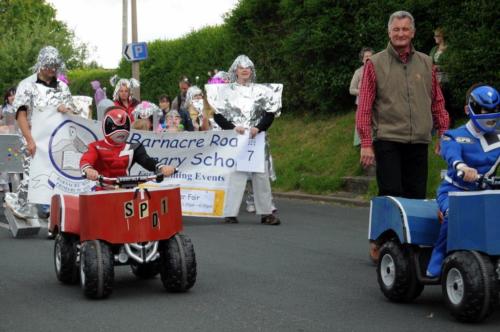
(483, 105)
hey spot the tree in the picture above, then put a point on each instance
(25, 27)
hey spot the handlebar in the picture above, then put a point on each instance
(490, 182)
(129, 181)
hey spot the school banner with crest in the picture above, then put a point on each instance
(212, 165)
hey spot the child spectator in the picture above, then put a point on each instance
(195, 105)
(172, 123)
(146, 111)
(164, 102)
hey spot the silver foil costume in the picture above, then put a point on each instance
(37, 97)
(245, 105)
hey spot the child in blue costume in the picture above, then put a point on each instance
(473, 149)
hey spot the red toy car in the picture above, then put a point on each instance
(136, 226)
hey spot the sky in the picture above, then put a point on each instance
(98, 23)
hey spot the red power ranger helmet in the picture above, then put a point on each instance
(116, 125)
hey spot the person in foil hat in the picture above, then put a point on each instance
(249, 109)
(40, 92)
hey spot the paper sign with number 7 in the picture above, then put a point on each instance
(251, 153)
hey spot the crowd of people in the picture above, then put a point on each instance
(47, 89)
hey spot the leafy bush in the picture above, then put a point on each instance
(471, 30)
(311, 46)
(193, 55)
(80, 82)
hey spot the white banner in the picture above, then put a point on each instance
(207, 161)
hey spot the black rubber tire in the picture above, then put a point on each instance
(65, 253)
(177, 263)
(396, 274)
(96, 269)
(470, 275)
(147, 270)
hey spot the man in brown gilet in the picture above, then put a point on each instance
(400, 101)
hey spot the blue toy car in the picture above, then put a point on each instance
(406, 230)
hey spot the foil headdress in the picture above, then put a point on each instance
(49, 57)
(145, 110)
(191, 92)
(219, 78)
(245, 62)
(119, 82)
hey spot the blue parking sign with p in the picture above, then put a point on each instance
(136, 51)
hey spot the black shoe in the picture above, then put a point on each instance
(231, 220)
(270, 219)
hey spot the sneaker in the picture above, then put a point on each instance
(250, 208)
(231, 220)
(270, 219)
(25, 212)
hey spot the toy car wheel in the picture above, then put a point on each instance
(177, 263)
(469, 286)
(96, 269)
(147, 270)
(65, 253)
(396, 275)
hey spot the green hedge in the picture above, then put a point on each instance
(79, 81)
(194, 55)
(474, 47)
(312, 46)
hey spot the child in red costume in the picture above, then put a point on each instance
(113, 156)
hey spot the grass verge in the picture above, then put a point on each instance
(313, 152)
